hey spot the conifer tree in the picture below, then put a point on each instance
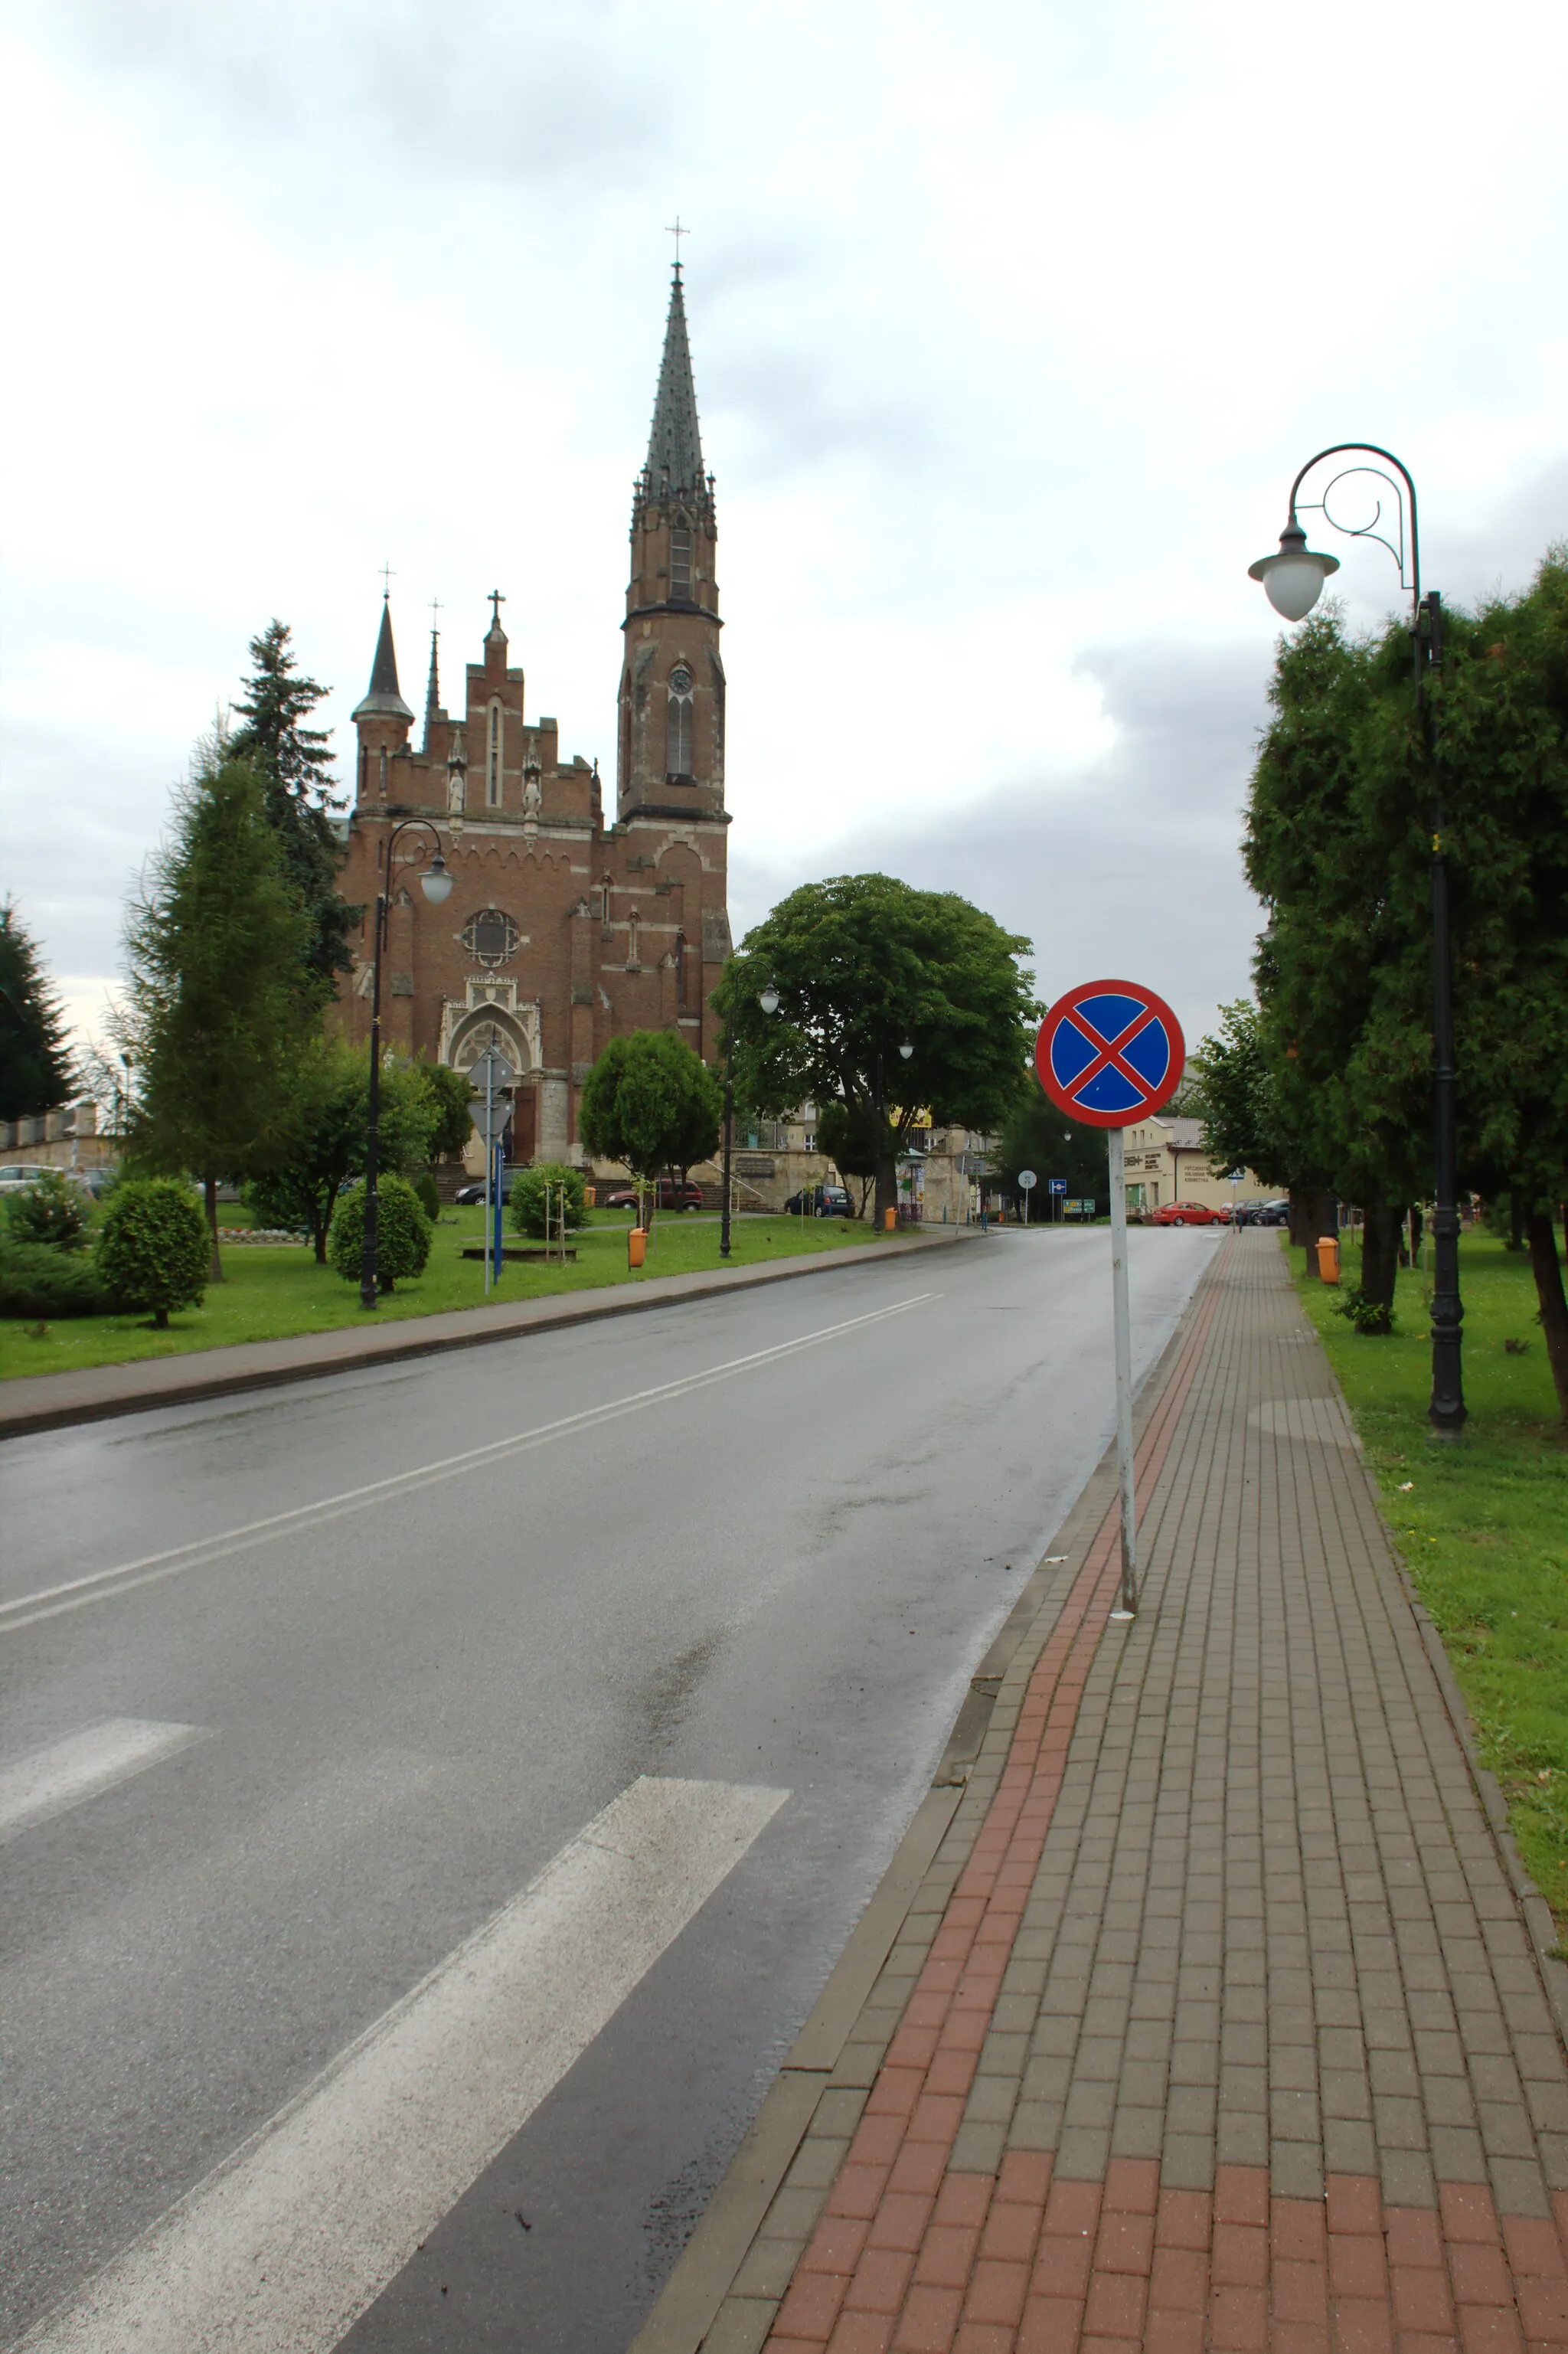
(217, 1013)
(34, 1067)
(292, 759)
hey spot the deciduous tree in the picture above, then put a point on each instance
(863, 964)
(651, 1103)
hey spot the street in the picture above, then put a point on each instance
(303, 1689)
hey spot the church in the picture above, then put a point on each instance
(566, 925)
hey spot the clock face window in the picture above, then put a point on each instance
(491, 938)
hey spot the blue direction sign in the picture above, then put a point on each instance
(1109, 1052)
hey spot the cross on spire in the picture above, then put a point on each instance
(387, 578)
(677, 229)
(435, 613)
(497, 603)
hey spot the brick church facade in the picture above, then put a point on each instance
(566, 926)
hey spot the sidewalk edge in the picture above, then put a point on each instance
(358, 1356)
(826, 2055)
(1534, 1910)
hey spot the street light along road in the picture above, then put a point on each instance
(436, 883)
(1292, 582)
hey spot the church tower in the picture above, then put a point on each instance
(670, 753)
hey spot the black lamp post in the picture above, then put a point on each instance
(1293, 581)
(436, 883)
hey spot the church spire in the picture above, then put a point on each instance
(432, 690)
(674, 464)
(382, 696)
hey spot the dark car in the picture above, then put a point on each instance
(819, 1202)
(469, 1195)
(670, 1196)
(1265, 1213)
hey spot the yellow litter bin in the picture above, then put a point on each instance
(636, 1246)
(889, 1220)
(1329, 1258)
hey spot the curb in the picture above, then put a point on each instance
(830, 2066)
(101, 1391)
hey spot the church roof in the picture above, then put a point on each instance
(382, 697)
(675, 445)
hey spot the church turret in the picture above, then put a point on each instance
(671, 747)
(382, 717)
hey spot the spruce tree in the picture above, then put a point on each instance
(217, 1013)
(34, 1067)
(292, 761)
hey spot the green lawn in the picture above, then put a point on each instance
(1483, 1524)
(272, 1290)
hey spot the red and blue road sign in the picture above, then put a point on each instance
(1110, 1053)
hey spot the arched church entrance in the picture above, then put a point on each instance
(492, 1027)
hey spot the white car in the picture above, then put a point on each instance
(14, 1178)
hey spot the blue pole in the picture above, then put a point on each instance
(496, 1212)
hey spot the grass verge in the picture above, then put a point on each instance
(1482, 1524)
(272, 1291)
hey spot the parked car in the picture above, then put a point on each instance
(469, 1195)
(1267, 1214)
(820, 1202)
(16, 1179)
(1184, 1214)
(671, 1195)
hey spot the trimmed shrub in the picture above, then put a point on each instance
(402, 1233)
(429, 1195)
(528, 1204)
(39, 1279)
(154, 1247)
(51, 1211)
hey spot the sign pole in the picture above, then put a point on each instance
(1122, 1321)
(489, 1159)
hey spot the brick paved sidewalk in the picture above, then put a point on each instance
(1215, 2022)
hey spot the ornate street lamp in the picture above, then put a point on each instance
(436, 883)
(1293, 581)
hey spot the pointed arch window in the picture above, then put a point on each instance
(493, 760)
(680, 561)
(678, 761)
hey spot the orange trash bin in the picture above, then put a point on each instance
(889, 1221)
(636, 1246)
(1329, 1258)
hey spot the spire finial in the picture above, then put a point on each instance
(386, 578)
(677, 229)
(497, 603)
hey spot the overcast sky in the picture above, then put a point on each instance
(1011, 326)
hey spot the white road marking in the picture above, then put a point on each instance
(103, 1584)
(281, 2248)
(48, 1781)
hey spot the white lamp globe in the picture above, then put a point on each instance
(1293, 580)
(906, 1050)
(436, 882)
(769, 1000)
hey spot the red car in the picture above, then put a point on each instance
(672, 1196)
(1184, 1214)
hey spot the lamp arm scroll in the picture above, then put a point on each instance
(1370, 450)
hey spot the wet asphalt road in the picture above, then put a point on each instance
(783, 1575)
